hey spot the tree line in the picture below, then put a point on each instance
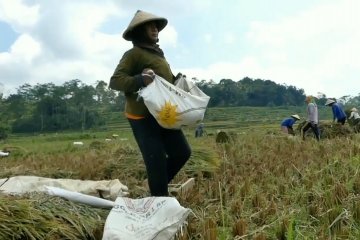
(75, 105)
(47, 107)
(249, 92)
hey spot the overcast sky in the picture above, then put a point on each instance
(310, 44)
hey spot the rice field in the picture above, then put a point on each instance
(261, 184)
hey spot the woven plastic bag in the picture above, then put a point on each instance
(151, 218)
(175, 106)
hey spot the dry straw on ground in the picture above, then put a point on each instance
(43, 217)
(256, 186)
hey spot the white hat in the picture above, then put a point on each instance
(329, 101)
(295, 116)
(142, 17)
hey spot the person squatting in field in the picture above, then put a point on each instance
(199, 131)
(164, 151)
(354, 114)
(287, 124)
(354, 119)
(312, 118)
(338, 113)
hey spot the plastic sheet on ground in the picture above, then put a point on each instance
(108, 189)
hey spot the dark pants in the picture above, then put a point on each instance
(291, 131)
(314, 128)
(198, 132)
(356, 125)
(164, 152)
(342, 121)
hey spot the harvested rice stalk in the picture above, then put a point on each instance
(204, 160)
(328, 130)
(40, 216)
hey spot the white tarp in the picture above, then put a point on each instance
(151, 218)
(175, 106)
(4, 154)
(109, 189)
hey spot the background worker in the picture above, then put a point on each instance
(312, 118)
(354, 114)
(354, 120)
(287, 124)
(199, 131)
(338, 113)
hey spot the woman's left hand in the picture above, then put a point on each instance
(149, 71)
(148, 76)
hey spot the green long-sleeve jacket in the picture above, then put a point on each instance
(127, 76)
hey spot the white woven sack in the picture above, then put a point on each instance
(151, 218)
(175, 106)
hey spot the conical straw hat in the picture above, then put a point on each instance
(329, 101)
(296, 116)
(142, 17)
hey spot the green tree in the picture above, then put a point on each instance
(101, 92)
(3, 132)
(16, 106)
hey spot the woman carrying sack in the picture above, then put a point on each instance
(165, 151)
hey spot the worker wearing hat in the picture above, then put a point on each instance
(287, 124)
(164, 151)
(354, 120)
(354, 114)
(338, 113)
(312, 120)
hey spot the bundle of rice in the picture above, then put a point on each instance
(222, 137)
(203, 159)
(328, 130)
(225, 136)
(40, 216)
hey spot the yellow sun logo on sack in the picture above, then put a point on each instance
(168, 114)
